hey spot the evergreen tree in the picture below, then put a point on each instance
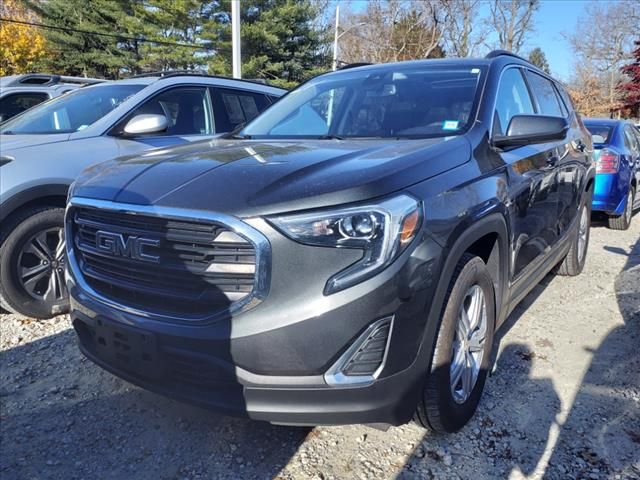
(539, 59)
(177, 22)
(280, 42)
(83, 52)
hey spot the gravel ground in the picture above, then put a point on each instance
(564, 402)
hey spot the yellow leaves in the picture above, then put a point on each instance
(21, 46)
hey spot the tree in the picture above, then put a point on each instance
(177, 22)
(630, 89)
(463, 30)
(393, 30)
(21, 46)
(281, 41)
(75, 48)
(604, 54)
(512, 20)
(539, 59)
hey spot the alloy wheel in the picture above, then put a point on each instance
(41, 266)
(583, 232)
(468, 344)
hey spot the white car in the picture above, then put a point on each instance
(43, 149)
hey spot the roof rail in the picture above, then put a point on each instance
(347, 66)
(506, 53)
(168, 73)
(198, 73)
(46, 79)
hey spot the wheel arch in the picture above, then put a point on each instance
(54, 195)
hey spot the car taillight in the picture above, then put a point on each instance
(607, 162)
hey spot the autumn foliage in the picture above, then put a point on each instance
(631, 89)
(21, 46)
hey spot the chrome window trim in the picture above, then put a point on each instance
(257, 239)
(334, 376)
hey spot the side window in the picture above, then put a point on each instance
(631, 140)
(234, 107)
(16, 103)
(186, 108)
(563, 107)
(513, 99)
(545, 93)
(566, 98)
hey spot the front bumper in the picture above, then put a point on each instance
(269, 363)
(610, 193)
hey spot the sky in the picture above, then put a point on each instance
(553, 18)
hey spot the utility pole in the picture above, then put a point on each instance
(334, 65)
(235, 39)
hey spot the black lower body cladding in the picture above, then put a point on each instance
(280, 361)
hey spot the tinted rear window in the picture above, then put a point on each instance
(600, 133)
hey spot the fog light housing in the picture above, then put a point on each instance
(364, 360)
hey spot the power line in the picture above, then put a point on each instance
(111, 35)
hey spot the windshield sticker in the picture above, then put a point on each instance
(475, 70)
(450, 125)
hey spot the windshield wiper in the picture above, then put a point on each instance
(7, 132)
(234, 133)
(330, 137)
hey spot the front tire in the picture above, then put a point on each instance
(462, 354)
(622, 222)
(32, 265)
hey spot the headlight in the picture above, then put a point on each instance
(383, 231)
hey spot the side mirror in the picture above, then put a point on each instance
(530, 129)
(146, 123)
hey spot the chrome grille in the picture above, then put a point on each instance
(203, 266)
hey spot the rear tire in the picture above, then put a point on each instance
(573, 263)
(447, 404)
(32, 264)
(622, 222)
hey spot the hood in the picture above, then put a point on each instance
(9, 143)
(250, 177)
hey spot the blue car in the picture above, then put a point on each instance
(617, 154)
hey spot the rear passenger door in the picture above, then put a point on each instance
(569, 160)
(233, 107)
(532, 174)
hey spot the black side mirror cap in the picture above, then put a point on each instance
(531, 129)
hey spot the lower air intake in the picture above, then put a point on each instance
(364, 359)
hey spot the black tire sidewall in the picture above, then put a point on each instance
(580, 262)
(452, 415)
(12, 291)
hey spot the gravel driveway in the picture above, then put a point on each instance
(564, 402)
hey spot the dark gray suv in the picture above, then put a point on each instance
(344, 258)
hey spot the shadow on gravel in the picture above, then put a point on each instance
(610, 444)
(63, 417)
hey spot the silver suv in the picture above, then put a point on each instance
(43, 149)
(21, 92)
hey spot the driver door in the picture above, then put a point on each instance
(189, 117)
(533, 180)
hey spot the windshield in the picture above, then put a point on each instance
(71, 112)
(599, 133)
(402, 102)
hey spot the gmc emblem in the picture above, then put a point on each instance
(117, 245)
